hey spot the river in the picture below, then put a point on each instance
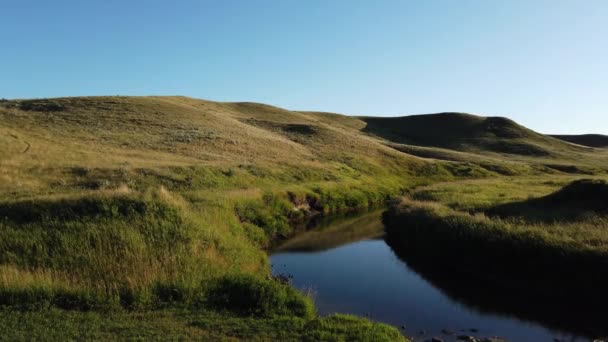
(349, 268)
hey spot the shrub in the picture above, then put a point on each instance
(35, 298)
(166, 294)
(41, 105)
(271, 214)
(251, 296)
(255, 234)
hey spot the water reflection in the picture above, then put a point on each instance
(327, 233)
(353, 269)
(572, 316)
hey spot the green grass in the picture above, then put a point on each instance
(543, 246)
(150, 203)
(60, 325)
(476, 195)
(576, 201)
(585, 235)
(248, 295)
(553, 211)
(124, 203)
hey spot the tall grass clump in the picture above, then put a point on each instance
(272, 214)
(252, 296)
(125, 250)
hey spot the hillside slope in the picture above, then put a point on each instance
(109, 141)
(466, 132)
(590, 140)
(118, 139)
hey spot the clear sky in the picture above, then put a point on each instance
(542, 63)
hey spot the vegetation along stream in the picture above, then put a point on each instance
(349, 266)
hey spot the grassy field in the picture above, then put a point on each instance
(174, 325)
(141, 204)
(579, 229)
(541, 244)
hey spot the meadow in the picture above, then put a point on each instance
(118, 210)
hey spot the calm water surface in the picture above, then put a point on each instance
(350, 269)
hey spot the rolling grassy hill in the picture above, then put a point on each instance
(503, 144)
(117, 139)
(114, 139)
(144, 203)
(590, 140)
(466, 132)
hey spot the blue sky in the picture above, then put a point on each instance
(542, 63)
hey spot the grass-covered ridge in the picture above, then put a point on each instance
(465, 132)
(579, 200)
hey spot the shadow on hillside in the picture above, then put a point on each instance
(580, 199)
(590, 140)
(463, 132)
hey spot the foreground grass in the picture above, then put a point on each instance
(59, 325)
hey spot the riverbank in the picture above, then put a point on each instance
(350, 267)
(556, 263)
(93, 260)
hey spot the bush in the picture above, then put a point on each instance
(343, 199)
(166, 294)
(36, 298)
(255, 234)
(251, 296)
(271, 214)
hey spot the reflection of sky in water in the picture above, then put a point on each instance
(365, 277)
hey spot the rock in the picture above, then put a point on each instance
(466, 338)
(474, 330)
(447, 332)
(435, 339)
